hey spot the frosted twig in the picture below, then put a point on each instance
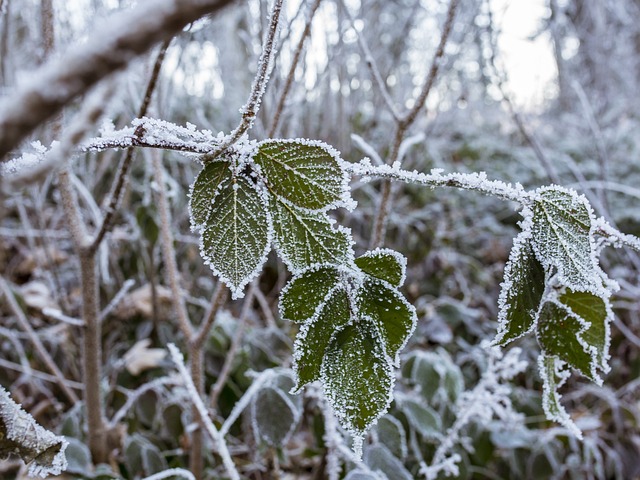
(241, 404)
(172, 472)
(38, 374)
(466, 181)
(292, 70)
(122, 37)
(37, 343)
(115, 195)
(31, 168)
(217, 438)
(616, 237)
(250, 110)
(61, 317)
(117, 298)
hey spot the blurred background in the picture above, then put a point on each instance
(536, 92)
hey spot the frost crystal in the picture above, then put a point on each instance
(20, 434)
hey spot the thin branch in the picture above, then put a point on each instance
(250, 109)
(38, 374)
(202, 411)
(466, 181)
(33, 337)
(217, 300)
(168, 251)
(115, 196)
(124, 36)
(382, 215)
(292, 70)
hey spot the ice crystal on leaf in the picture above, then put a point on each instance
(307, 174)
(21, 435)
(554, 285)
(236, 234)
(277, 190)
(562, 239)
(304, 238)
(354, 323)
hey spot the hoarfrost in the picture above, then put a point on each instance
(20, 434)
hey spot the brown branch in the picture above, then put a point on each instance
(124, 36)
(403, 124)
(115, 196)
(292, 70)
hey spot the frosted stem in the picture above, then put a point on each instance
(217, 438)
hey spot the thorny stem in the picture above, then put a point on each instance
(115, 196)
(251, 108)
(292, 70)
(33, 337)
(405, 121)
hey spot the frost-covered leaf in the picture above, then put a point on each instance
(559, 334)
(554, 374)
(314, 337)
(423, 418)
(22, 436)
(361, 475)
(358, 378)
(385, 264)
(274, 417)
(307, 174)
(561, 227)
(304, 238)
(522, 289)
(379, 458)
(391, 313)
(438, 379)
(305, 292)
(78, 457)
(392, 434)
(142, 457)
(206, 186)
(237, 235)
(597, 312)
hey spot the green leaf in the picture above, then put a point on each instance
(379, 459)
(307, 174)
(314, 337)
(596, 311)
(358, 379)
(305, 292)
(553, 375)
(559, 332)
(274, 417)
(208, 183)
(561, 228)
(522, 289)
(423, 418)
(237, 236)
(305, 238)
(391, 313)
(385, 264)
(392, 434)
